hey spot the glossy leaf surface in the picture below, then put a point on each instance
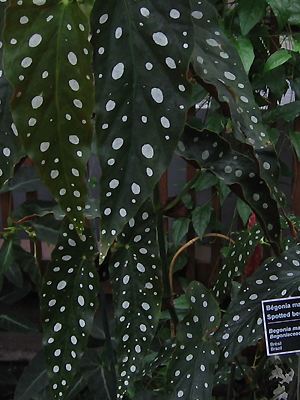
(48, 61)
(194, 361)
(68, 305)
(135, 273)
(277, 278)
(142, 52)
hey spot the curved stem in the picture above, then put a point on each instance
(186, 246)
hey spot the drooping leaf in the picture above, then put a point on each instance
(246, 52)
(201, 216)
(217, 63)
(48, 61)
(193, 364)
(10, 150)
(242, 325)
(68, 305)
(180, 228)
(142, 53)
(236, 260)
(276, 59)
(238, 170)
(33, 380)
(135, 274)
(250, 14)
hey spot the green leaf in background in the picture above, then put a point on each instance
(191, 372)
(295, 139)
(200, 217)
(250, 14)
(205, 181)
(287, 112)
(33, 379)
(246, 52)
(278, 58)
(243, 210)
(278, 277)
(53, 97)
(286, 11)
(13, 323)
(68, 305)
(137, 293)
(142, 53)
(180, 228)
(6, 257)
(10, 149)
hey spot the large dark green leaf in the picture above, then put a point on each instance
(135, 273)
(242, 325)
(142, 52)
(217, 63)
(68, 305)
(193, 364)
(10, 150)
(239, 170)
(48, 61)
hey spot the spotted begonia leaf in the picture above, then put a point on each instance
(135, 274)
(242, 325)
(217, 62)
(69, 299)
(235, 261)
(194, 361)
(241, 172)
(48, 61)
(142, 53)
(10, 151)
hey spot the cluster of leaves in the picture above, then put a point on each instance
(120, 82)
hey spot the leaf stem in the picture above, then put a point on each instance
(106, 329)
(186, 246)
(168, 293)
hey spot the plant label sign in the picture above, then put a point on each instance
(282, 325)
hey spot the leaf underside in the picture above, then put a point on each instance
(52, 99)
(141, 100)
